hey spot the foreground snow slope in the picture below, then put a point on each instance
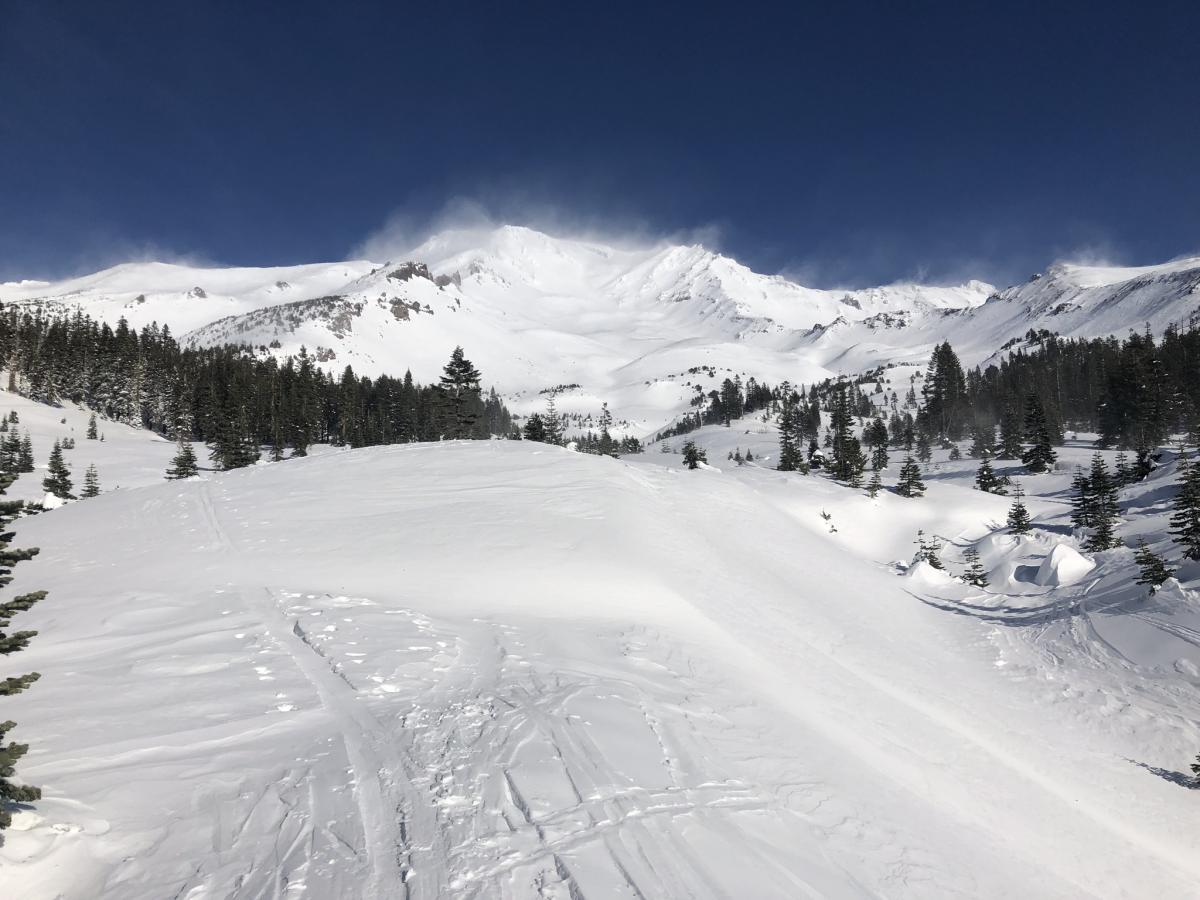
(506, 670)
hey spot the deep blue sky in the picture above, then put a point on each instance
(846, 142)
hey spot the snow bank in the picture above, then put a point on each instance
(1062, 566)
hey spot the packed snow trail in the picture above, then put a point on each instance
(506, 670)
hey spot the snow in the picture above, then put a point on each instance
(1063, 565)
(628, 324)
(503, 669)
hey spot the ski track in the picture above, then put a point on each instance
(406, 812)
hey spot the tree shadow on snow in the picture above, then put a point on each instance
(1191, 782)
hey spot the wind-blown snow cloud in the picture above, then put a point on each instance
(408, 227)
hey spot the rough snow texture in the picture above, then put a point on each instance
(507, 670)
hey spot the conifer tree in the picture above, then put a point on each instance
(975, 573)
(552, 423)
(693, 455)
(1010, 433)
(875, 485)
(847, 462)
(1040, 455)
(10, 751)
(58, 476)
(1083, 500)
(1185, 519)
(92, 434)
(25, 459)
(460, 391)
(983, 436)
(607, 446)
(1104, 508)
(1019, 521)
(879, 457)
(929, 551)
(790, 456)
(1123, 471)
(535, 428)
(910, 484)
(183, 464)
(1152, 567)
(924, 448)
(986, 478)
(91, 483)
(10, 452)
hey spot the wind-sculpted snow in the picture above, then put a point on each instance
(506, 670)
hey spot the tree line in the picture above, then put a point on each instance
(232, 399)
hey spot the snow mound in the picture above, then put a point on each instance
(1063, 565)
(924, 574)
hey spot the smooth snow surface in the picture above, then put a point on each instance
(502, 670)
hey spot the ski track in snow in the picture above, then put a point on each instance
(399, 725)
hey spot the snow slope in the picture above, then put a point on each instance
(628, 325)
(534, 312)
(507, 670)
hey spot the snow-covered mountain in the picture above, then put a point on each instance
(641, 328)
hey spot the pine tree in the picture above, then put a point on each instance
(986, 478)
(535, 429)
(1010, 433)
(25, 460)
(1123, 471)
(929, 551)
(553, 423)
(983, 436)
(10, 452)
(693, 455)
(58, 476)
(875, 485)
(1104, 508)
(1040, 455)
(183, 464)
(459, 387)
(11, 752)
(1185, 520)
(1019, 520)
(847, 461)
(910, 484)
(1153, 568)
(1083, 500)
(92, 434)
(607, 446)
(975, 573)
(790, 456)
(879, 457)
(924, 448)
(91, 483)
